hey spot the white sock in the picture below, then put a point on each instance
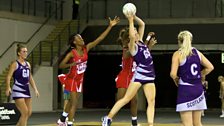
(223, 112)
(134, 118)
(65, 114)
(70, 123)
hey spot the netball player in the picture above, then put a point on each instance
(76, 59)
(20, 70)
(186, 72)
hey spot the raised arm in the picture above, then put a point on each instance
(104, 34)
(141, 27)
(150, 40)
(132, 37)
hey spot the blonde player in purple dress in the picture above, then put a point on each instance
(187, 73)
(144, 74)
(20, 70)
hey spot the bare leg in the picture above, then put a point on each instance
(73, 105)
(186, 118)
(150, 93)
(131, 91)
(22, 107)
(197, 118)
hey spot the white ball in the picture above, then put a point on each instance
(129, 9)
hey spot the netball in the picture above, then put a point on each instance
(129, 9)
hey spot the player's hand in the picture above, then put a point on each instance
(8, 91)
(153, 41)
(151, 34)
(37, 93)
(114, 21)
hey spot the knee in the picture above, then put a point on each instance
(151, 102)
(125, 100)
(29, 113)
(24, 114)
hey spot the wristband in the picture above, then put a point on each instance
(148, 38)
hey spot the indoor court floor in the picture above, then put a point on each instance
(92, 117)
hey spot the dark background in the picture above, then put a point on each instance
(99, 85)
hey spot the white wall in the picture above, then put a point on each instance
(14, 30)
(44, 81)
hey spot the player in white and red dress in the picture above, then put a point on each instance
(76, 59)
(124, 77)
(73, 80)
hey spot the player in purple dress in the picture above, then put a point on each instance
(144, 74)
(20, 70)
(187, 73)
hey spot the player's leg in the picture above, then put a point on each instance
(222, 108)
(186, 118)
(21, 105)
(196, 118)
(150, 93)
(131, 91)
(28, 102)
(134, 110)
(74, 96)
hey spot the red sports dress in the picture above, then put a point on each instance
(74, 79)
(124, 77)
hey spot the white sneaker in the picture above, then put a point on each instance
(106, 121)
(67, 119)
(221, 116)
(60, 123)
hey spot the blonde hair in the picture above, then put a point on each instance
(184, 41)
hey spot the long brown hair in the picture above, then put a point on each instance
(123, 36)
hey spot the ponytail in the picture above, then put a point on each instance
(184, 40)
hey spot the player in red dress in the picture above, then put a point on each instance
(76, 59)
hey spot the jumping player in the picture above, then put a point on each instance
(186, 72)
(144, 74)
(77, 61)
(20, 70)
(128, 67)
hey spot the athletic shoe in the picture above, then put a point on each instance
(106, 121)
(221, 116)
(134, 122)
(60, 123)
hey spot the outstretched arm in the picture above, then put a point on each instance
(141, 27)
(104, 34)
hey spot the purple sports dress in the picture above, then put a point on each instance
(144, 72)
(190, 90)
(21, 77)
